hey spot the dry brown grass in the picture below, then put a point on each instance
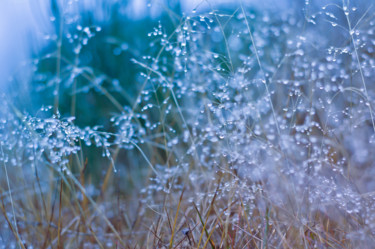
(59, 219)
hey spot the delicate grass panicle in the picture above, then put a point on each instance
(225, 127)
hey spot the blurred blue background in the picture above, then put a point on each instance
(26, 26)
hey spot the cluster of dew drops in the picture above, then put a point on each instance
(266, 99)
(305, 113)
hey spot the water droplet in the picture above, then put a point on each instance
(372, 139)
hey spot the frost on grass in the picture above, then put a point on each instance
(276, 108)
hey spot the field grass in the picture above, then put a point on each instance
(227, 127)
